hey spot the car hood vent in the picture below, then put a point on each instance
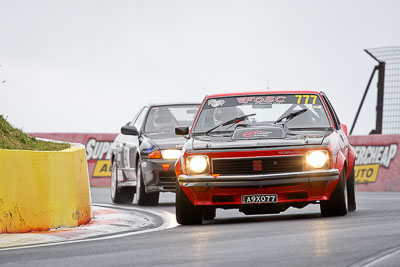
(259, 133)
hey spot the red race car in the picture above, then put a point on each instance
(262, 153)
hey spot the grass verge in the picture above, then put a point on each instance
(13, 138)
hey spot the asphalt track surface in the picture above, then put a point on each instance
(368, 237)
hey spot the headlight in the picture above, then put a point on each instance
(317, 159)
(197, 164)
(170, 154)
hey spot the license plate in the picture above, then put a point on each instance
(259, 199)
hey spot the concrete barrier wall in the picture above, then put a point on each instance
(43, 190)
(377, 165)
(98, 148)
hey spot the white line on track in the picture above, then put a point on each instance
(374, 260)
(168, 218)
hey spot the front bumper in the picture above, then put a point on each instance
(226, 191)
(158, 178)
(259, 180)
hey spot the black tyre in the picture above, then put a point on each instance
(351, 194)
(337, 203)
(210, 213)
(120, 195)
(143, 198)
(186, 212)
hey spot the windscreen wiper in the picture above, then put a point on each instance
(327, 128)
(234, 120)
(290, 116)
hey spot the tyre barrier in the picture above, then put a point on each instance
(42, 190)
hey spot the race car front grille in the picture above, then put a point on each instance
(167, 177)
(264, 165)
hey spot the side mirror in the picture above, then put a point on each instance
(182, 130)
(129, 130)
(344, 128)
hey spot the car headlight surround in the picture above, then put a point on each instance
(170, 153)
(317, 159)
(197, 165)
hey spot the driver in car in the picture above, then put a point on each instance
(162, 120)
(223, 114)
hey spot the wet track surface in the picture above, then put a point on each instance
(368, 237)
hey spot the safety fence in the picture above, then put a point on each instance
(390, 58)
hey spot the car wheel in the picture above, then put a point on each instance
(186, 212)
(337, 203)
(351, 195)
(143, 198)
(119, 195)
(210, 213)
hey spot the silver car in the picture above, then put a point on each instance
(145, 152)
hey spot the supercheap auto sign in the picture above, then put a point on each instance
(370, 158)
(100, 153)
(377, 163)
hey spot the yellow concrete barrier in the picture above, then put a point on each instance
(43, 190)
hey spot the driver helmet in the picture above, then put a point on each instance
(223, 114)
(162, 119)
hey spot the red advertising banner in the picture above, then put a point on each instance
(377, 166)
(98, 152)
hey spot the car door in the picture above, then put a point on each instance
(131, 145)
(343, 141)
(117, 147)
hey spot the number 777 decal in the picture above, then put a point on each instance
(305, 99)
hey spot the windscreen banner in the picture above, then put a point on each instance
(377, 166)
(98, 152)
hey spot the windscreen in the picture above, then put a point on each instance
(267, 110)
(164, 119)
